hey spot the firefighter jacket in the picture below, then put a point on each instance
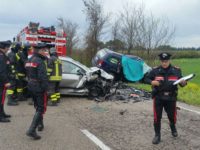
(49, 70)
(37, 73)
(4, 69)
(56, 65)
(13, 64)
(20, 64)
(166, 78)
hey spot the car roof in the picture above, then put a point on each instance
(66, 58)
(108, 51)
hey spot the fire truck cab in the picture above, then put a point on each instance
(33, 34)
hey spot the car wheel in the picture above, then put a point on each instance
(96, 91)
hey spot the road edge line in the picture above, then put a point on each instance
(194, 111)
(95, 140)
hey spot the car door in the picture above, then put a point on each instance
(113, 62)
(70, 75)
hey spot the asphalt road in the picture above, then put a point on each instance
(120, 126)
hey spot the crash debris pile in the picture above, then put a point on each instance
(125, 93)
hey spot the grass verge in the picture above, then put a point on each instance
(189, 94)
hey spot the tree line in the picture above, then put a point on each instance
(132, 28)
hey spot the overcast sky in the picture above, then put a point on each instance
(16, 14)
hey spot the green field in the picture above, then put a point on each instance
(189, 66)
(191, 93)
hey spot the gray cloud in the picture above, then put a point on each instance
(16, 14)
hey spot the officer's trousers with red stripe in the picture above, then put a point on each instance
(40, 101)
(169, 107)
(2, 99)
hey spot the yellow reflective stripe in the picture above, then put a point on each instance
(9, 92)
(17, 56)
(21, 74)
(12, 66)
(54, 99)
(57, 78)
(53, 96)
(49, 70)
(57, 93)
(19, 90)
(56, 74)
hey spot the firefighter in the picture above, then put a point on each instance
(164, 93)
(21, 57)
(4, 78)
(56, 65)
(12, 90)
(37, 85)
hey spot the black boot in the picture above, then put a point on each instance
(2, 119)
(21, 97)
(52, 103)
(4, 114)
(156, 139)
(11, 101)
(173, 130)
(32, 130)
(41, 125)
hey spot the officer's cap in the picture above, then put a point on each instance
(52, 50)
(164, 56)
(50, 45)
(40, 46)
(5, 44)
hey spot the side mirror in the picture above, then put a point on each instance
(80, 72)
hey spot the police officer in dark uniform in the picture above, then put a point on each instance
(4, 78)
(37, 85)
(164, 93)
(55, 77)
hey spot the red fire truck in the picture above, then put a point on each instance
(33, 34)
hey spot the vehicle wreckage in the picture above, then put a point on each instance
(77, 79)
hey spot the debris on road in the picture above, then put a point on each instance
(123, 92)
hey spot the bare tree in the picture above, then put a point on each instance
(70, 29)
(115, 30)
(129, 18)
(96, 19)
(155, 32)
(140, 30)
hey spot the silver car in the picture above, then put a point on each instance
(77, 79)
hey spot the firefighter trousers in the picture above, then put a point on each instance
(53, 91)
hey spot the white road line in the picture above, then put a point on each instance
(194, 111)
(95, 140)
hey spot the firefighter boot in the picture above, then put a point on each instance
(41, 125)
(32, 130)
(156, 139)
(173, 130)
(52, 103)
(21, 97)
(11, 101)
(4, 114)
